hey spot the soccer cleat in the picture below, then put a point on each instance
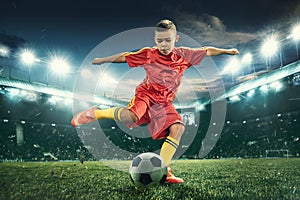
(171, 178)
(84, 117)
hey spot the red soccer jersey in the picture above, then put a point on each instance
(163, 73)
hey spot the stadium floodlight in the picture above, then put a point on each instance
(200, 107)
(270, 46)
(277, 85)
(13, 91)
(29, 95)
(296, 79)
(60, 65)
(233, 66)
(296, 36)
(247, 59)
(28, 57)
(54, 99)
(264, 88)
(251, 93)
(234, 98)
(296, 32)
(4, 51)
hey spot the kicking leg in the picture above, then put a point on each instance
(93, 114)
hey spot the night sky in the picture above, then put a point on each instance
(83, 24)
(77, 27)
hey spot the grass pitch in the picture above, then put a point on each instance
(204, 179)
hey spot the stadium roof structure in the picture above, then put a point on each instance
(264, 79)
(267, 78)
(42, 88)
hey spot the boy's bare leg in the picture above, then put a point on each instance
(176, 131)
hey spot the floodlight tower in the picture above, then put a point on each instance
(28, 58)
(247, 60)
(269, 48)
(60, 66)
(296, 37)
(232, 67)
(4, 51)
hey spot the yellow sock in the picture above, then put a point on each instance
(168, 149)
(110, 113)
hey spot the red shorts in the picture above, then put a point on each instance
(158, 117)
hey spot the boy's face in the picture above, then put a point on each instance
(165, 41)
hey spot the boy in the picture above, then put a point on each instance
(152, 104)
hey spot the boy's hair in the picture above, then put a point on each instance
(164, 25)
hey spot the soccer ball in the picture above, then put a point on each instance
(148, 169)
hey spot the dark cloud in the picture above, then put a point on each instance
(210, 30)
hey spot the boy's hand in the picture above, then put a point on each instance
(97, 61)
(233, 51)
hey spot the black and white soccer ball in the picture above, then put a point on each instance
(148, 169)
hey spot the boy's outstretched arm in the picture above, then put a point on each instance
(117, 58)
(213, 51)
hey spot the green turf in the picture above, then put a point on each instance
(204, 179)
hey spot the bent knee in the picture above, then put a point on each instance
(176, 131)
(128, 116)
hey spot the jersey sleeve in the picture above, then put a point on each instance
(135, 59)
(194, 55)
